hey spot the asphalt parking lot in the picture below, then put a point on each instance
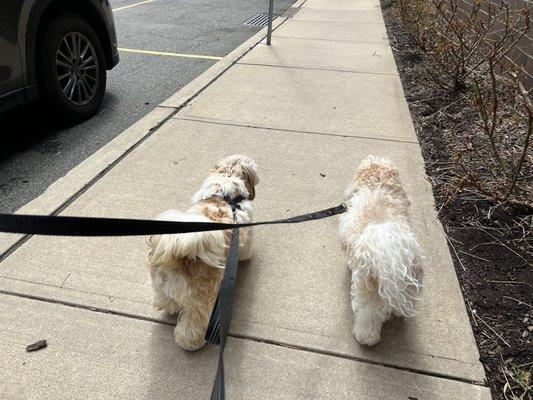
(164, 45)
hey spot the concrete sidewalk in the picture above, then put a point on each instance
(308, 109)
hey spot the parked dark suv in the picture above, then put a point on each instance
(58, 50)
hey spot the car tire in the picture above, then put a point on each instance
(71, 67)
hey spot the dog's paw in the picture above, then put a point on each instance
(245, 253)
(166, 307)
(246, 256)
(367, 328)
(159, 306)
(369, 338)
(367, 331)
(187, 339)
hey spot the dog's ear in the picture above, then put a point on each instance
(249, 175)
(249, 186)
(154, 258)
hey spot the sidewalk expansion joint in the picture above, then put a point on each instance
(360, 359)
(346, 71)
(337, 21)
(84, 307)
(134, 146)
(205, 121)
(383, 41)
(243, 337)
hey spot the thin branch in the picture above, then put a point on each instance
(456, 255)
(519, 301)
(493, 331)
(529, 109)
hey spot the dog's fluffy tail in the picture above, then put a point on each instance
(209, 247)
(391, 257)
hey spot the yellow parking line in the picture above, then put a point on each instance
(163, 53)
(132, 5)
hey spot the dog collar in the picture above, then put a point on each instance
(234, 203)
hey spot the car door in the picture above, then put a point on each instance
(11, 78)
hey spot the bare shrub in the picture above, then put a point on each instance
(455, 41)
(496, 154)
(465, 54)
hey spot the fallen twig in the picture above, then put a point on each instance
(456, 255)
(507, 384)
(499, 242)
(519, 301)
(474, 256)
(493, 331)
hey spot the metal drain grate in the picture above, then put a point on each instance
(258, 20)
(290, 12)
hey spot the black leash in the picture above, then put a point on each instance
(87, 226)
(221, 317)
(219, 323)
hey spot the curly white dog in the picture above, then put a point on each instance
(383, 253)
(186, 269)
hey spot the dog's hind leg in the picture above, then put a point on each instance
(367, 327)
(162, 303)
(369, 309)
(245, 248)
(192, 325)
(160, 299)
(203, 283)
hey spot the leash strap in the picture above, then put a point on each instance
(223, 309)
(212, 334)
(87, 226)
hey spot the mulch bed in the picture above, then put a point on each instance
(491, 245)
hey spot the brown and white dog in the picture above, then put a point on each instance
(186, 269)
(383, 253)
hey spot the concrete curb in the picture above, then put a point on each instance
(75, 182)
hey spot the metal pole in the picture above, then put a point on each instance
(270, 11)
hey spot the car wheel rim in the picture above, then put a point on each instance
(77, 68)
